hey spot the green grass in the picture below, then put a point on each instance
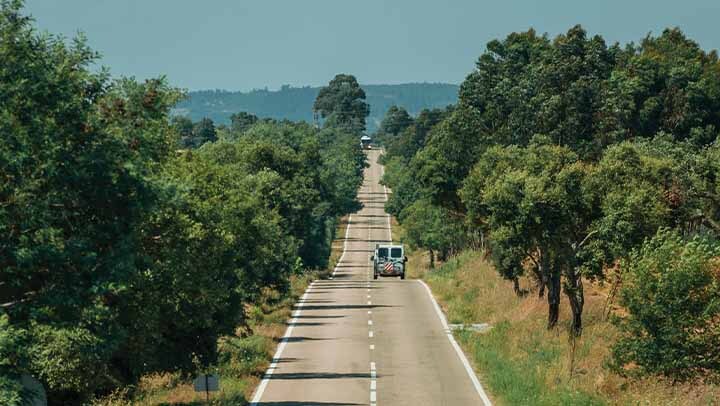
(520, 362)
(514, 377)
(520, 379)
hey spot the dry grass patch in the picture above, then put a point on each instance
(521, 362)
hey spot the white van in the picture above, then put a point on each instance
(389, 260)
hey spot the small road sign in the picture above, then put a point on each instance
(207, 383)
(37, 392)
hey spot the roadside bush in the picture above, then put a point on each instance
(672, 296)
(10, 339)
(242, 356)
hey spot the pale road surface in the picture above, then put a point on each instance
(356, 341)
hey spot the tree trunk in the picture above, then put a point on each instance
(607, 308)
(574, 292)
(545, 276)
(443, 255)
(432, 259)
(553, 299)
(516, 286)
(542, 275)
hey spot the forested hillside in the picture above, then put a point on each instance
(569, 161)
(295, 103)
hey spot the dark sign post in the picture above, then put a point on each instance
(36, 389)
(207, 383)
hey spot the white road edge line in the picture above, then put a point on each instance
(342, 256)
(278, 353)
(443, 321)
(288, 332)
(458, 350)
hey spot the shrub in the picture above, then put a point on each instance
(243, 356)
(672, 295)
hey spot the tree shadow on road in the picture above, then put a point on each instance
(308, 403)
(320, 375)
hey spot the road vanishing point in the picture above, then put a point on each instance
(353, 340)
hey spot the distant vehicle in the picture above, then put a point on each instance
(389, 260)
(365, 142)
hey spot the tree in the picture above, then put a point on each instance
(342, 104)
(319, 175)
(671, 292)
(667, 84)
(395, 121)
(203, 131)
(428, 226)
(184, 128)
(242, 121)
(216, 242)
(536, 208)
(413, 138)
(77, 159)
(707, 186)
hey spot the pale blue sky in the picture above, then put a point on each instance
(245, 44)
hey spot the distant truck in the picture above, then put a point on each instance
(389, 260)
(365, 142)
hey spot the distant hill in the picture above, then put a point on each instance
(295, 103)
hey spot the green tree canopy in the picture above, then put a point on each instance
(121, 255)
(342, 103)
(239, 122)
(395, 121)
(672, 296)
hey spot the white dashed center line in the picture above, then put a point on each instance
(373, 384)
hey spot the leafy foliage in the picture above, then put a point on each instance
(564, 155)
(194, 135)
(432, 228)
(121, 256)
(672, 295)
(342, 104)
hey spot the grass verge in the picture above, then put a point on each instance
(519, 361)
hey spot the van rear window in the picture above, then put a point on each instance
(382, 252)
(396, 252)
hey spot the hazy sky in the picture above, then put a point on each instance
(245, 44)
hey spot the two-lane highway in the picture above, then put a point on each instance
(358, 341)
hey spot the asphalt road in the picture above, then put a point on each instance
(358, 341)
